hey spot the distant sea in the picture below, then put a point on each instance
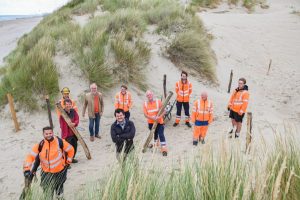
(14, 17)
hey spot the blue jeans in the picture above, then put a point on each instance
(94, 122)
(159, 132)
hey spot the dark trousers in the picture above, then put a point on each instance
(186, 107)
(128, 146)
(51, 182)
(94, 122)
(73, 141)
(159, 132)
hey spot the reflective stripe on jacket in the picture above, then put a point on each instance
(123, 102)
(52, 159)
(183, 91)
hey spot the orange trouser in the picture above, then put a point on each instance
(200, 132)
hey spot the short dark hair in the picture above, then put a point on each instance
(184, 72)
(119, 111)
(67, 101)
(124, 86)
(47, 128)
(243, 79)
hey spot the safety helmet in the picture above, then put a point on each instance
(65, 90)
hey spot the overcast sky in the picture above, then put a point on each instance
(29, 7)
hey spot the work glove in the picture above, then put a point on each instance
(27, 173)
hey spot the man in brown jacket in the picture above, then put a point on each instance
(94, 102)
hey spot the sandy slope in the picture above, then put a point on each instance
(243, 42)
(11, 31)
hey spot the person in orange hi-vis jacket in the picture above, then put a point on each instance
(54, 155)
(202, 116)
(151, 109)
(123, 101)
(237, 106)
(65, 92)
(183, 90)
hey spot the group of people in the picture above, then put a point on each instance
(55, 154)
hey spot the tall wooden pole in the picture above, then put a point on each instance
(13, 112)
(249, 131)
(49, 111)
(165, 86)
(230, 81)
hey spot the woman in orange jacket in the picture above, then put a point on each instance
(237, 106)
(202, 116)
(54, 155)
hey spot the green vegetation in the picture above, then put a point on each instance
(249, 4)
(267, 172)
(109, 48)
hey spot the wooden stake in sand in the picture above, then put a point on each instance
(49, 111)
(13, 112)
(75, 131)
(161, 110)
(230, 81)
(165, 86)
(270, 63)
(249, 131)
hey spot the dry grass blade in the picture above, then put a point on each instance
(276, 188)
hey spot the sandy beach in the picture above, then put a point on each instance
(242, 42)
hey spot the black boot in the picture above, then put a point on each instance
(175, 124)
(188, 124)
(195, 143)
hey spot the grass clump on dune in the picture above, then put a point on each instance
(225, 173)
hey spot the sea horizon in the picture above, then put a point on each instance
(15, 17)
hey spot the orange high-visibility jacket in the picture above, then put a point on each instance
(239, 101)
(62, 103)
(123, 101)
(202, 111)
(183, 91)
(52, 159)
(151, 109)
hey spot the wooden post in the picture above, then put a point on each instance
(270, 63)
(13, 112)
(161, 110)
(49, 111)
(165, 86)
(249, 131)
(230, 81)
(75, 131)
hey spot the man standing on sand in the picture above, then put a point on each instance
(183, 90)
(66, 131)
(202, 116)
(94, 102)
(151, 109)
(54, 155)
(123, 101)
(237, 106)
(122, 133)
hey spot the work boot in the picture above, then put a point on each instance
(164, 150)
(175, 124)
(202, 141)
(230, 131)
(164, 153)
(98, 136)
(74, 160)
(188, 124)
(236, 135)
(92, 138)
(195, 143)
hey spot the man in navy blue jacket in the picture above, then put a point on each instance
(122, 133)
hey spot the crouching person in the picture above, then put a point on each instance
(50, 154)
(122, 134)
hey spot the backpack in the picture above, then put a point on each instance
(37, 158)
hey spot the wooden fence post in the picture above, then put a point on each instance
(230, 81)
(49, 111)
(165, 86)
(249, 131)
(13, 112)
